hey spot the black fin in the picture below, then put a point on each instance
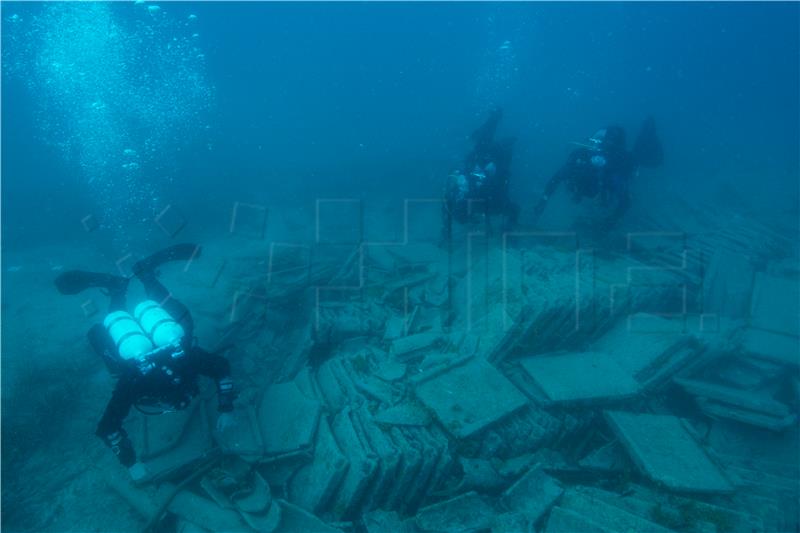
(647, 151)
(176, 252)
(75, 281)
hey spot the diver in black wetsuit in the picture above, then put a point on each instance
(153, 355)
(481, 186)
(603, 168)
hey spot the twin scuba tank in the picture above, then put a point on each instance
(148, 331)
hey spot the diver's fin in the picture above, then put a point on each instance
(485, 132)
(176, 252)
(647, 150)
(75, 281)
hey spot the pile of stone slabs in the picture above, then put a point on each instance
(469, 397)
(288, 419)
(664, 450)
(579, 377)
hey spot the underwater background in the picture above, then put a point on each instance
(128, 126)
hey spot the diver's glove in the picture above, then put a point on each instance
(122, 447)
(138, 472)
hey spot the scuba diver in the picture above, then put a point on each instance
(481, 186)
(152, 352)
(603, 167)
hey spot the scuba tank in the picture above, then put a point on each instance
(158, 324)
(129, 338)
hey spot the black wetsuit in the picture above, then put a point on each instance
(171, 381)
(593, 174)
(487, 194)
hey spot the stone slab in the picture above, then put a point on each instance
(784, 349)
(363, 466)
(288, 419)
(470, 397)
(314, 485)
(636, 346)
(462, 514)
(533, 494)
(408, 413)
(666, 452)
(776, 304)
(295, 519)
(753, 401)
(728, 284)
(604, 515)
(576, 377)
(565, 521)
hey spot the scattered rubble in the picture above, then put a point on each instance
(511, 390)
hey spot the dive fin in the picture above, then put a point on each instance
(176, 252)
(75, 281)
(647, 150)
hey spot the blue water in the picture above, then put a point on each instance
(116, 112)
(293, 101)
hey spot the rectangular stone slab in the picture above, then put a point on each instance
(464, 513)
(637, 348)
(784, 349)
(288, 419)
(533, 494)
(470, 397)
(666, 452)
(314, 484)
(753, 401)
(574, 377)
(776, 304)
